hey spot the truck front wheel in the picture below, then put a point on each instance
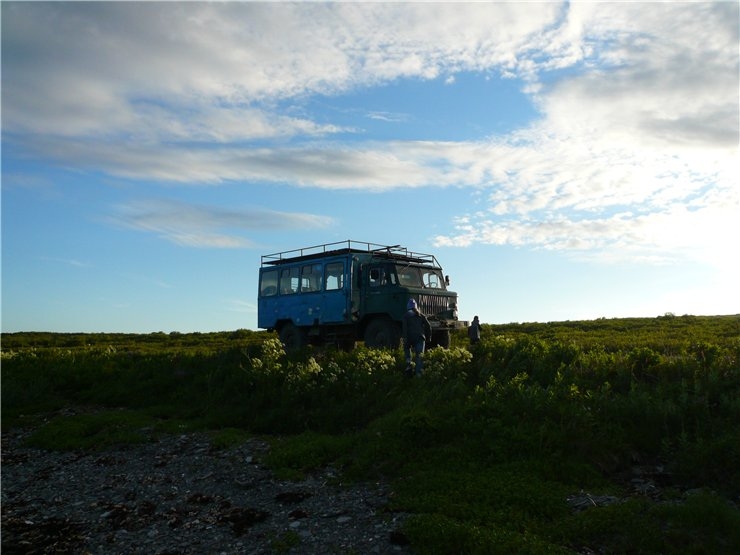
(292, 337)
(382, 333)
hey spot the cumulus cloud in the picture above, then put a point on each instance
(637, 139)
(635, 156)
(107, 69)
(194, 225)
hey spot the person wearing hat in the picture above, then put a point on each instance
(416, 332)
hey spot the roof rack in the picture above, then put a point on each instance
(393, 252)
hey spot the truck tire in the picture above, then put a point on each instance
(292, 337)
(382, 333)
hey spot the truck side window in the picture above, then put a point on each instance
(311, 278)
(334, 276)
(375, 277)
(381, 276)
(268, 283)
(289, 281)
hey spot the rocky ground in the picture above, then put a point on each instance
(178, 495)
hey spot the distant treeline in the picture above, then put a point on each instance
(159, 341)
(662, 333)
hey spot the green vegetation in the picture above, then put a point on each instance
(484, 451)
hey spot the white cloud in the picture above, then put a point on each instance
(704, 231)
(68, 261)
(238, 305)
(633, 160)
(637, 143)
(108, 69)
(193, 225)
(387, 116)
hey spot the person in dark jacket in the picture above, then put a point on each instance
(474, 331)
(416, 332)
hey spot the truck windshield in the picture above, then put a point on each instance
(411, 276)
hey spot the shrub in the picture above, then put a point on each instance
(94, 431)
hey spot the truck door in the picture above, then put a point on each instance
(290, 302)
(381, 294)
(310, 297)
(336, 292)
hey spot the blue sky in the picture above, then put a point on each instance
(563, 161)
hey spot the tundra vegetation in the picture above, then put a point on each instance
(486, 452)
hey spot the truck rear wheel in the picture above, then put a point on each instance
(382, 333)
(292, 337)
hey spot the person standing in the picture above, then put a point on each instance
(474, 331)
(416, 331)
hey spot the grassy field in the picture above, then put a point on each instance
(605, 436)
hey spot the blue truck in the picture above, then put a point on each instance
(352, 291)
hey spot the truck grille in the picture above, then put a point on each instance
(432, 305)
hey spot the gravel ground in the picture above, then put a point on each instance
(177, 495)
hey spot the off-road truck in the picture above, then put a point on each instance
(352, 291)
